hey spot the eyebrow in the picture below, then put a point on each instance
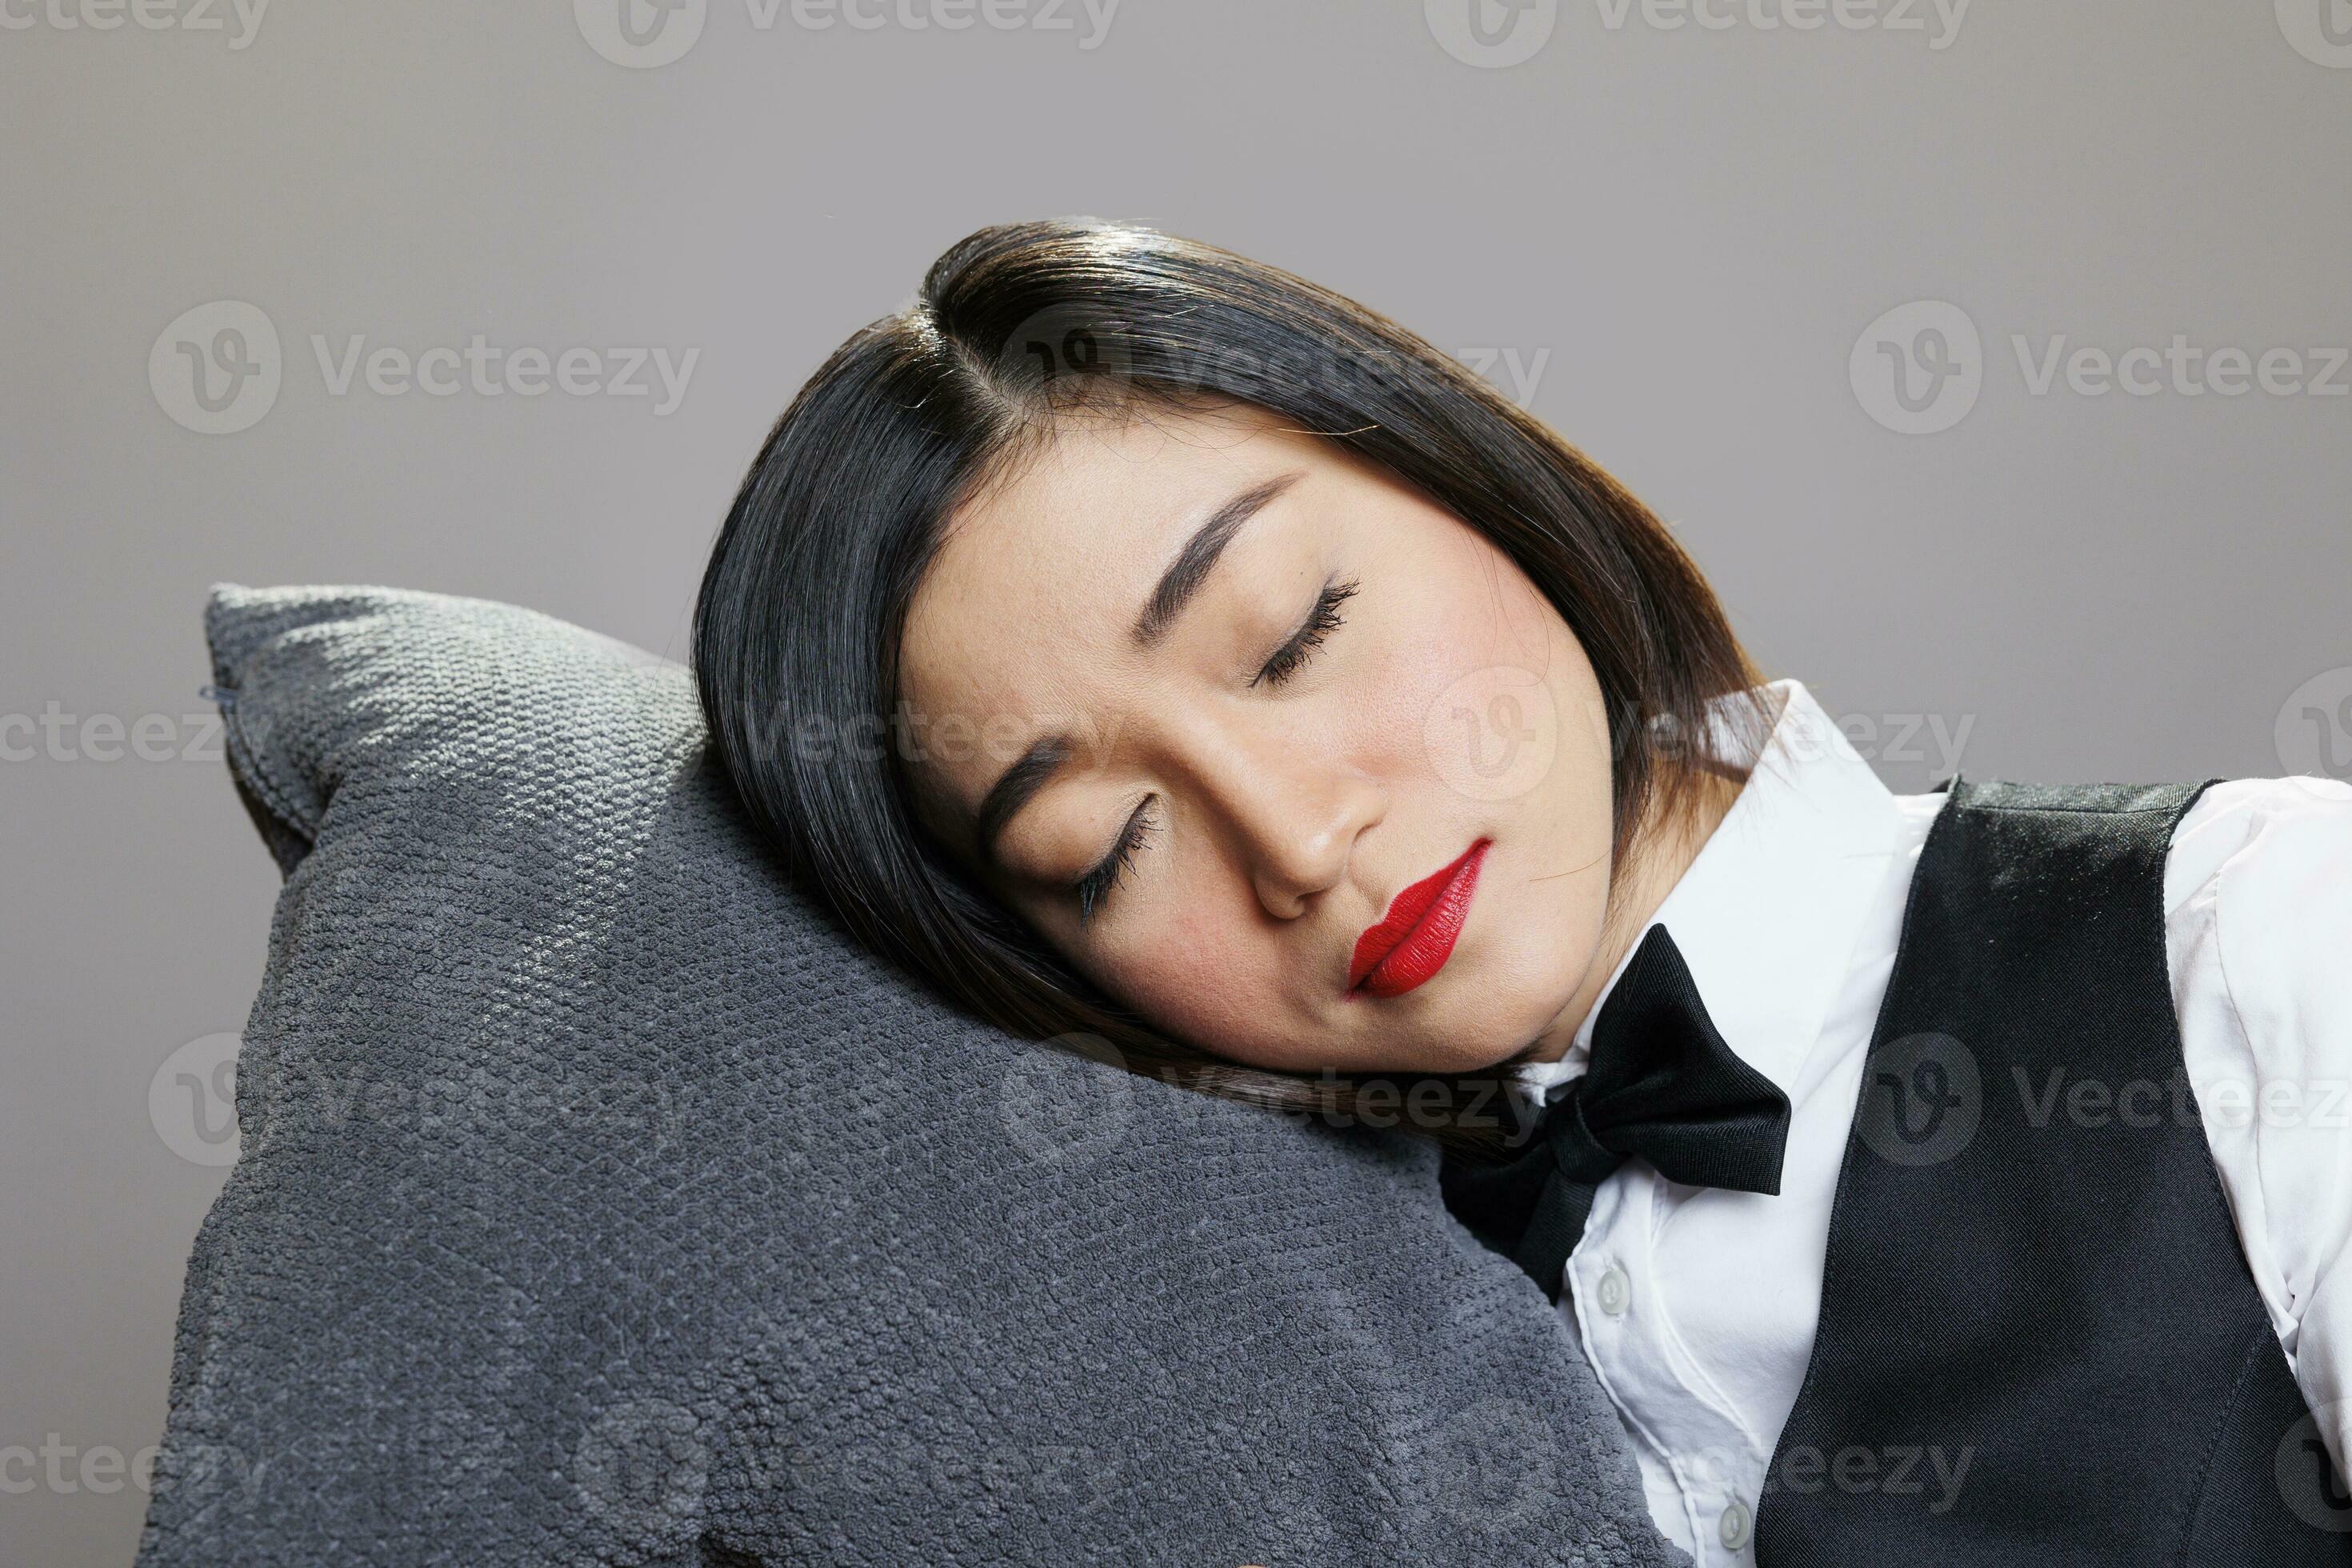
(1177, 587)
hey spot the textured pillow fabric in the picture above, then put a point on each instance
(598, 1201)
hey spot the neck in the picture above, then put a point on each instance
(1665, 847)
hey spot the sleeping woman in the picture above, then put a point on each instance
(1151, 649)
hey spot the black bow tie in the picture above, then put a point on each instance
(1661, 1084)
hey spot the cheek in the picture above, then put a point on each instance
(1447, 698)
(1220, 985)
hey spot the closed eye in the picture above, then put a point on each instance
(1094, 888)
(1322, 620)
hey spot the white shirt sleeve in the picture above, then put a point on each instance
(2258, 899)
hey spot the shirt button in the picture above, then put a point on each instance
(1616, 1292)
(1734, 1527)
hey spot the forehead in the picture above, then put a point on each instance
(1103, 503)
(1042, 573)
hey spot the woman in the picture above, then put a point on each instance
(1159, 652)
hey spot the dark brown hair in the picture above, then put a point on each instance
(798, 626)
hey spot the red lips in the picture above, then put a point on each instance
(1413, 940)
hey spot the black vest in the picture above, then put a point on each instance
(2040, 1341)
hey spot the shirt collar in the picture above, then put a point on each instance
(1767, 913)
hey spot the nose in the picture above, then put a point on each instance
(1296, 813)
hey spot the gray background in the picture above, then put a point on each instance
(1697, 226)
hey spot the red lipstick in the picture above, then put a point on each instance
(1415, 938)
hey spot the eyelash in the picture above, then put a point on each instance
(1324, 619)
(1095, 888)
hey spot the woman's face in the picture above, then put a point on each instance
(1291, 690)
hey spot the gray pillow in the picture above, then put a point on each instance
(599, 1202)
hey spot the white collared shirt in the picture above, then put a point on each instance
(1696, 1305)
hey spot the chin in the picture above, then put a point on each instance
(1478, 1050)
